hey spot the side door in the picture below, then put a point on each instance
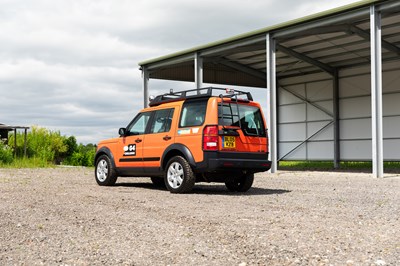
(159, 137)
(130, 146)
(190, 126)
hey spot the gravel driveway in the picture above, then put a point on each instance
(62, 217)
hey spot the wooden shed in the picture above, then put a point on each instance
(4, 129)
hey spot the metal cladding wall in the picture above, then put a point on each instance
(305, 106)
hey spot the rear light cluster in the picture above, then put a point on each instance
(210, 138)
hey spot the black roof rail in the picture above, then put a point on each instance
(199, 93)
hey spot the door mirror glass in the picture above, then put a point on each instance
(122, 131)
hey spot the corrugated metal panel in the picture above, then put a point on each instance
(296, 117)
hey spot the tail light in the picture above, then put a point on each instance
(210, 138)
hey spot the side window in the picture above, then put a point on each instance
(193, 114)
(139, 124)
(162, 121)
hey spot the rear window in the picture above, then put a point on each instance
(247, 117)
(193, 114)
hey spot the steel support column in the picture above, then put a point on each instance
(376, 93)
(15, 142)
(272, 105)
(198, 71)
(145, 76)
(25, 133)
(336, 126)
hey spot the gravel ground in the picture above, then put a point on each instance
(62, 217)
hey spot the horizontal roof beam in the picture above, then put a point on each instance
(319, 30)
(390, 7)
(367, 36)
(12, 127)
(243, 49)
(245, 69)
(222, 48)
(284, 33)
(302, 57)
(170, 61)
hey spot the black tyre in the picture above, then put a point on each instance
(179, 176)
(158, 182)
(105, 172)
(240, 184)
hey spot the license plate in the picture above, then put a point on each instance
(229, 142)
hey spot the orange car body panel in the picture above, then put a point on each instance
(150, 147)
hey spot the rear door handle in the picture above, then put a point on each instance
(138, 140)
(166, 138)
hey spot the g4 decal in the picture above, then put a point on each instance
(130, 150)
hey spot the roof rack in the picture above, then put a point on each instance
(199, 93)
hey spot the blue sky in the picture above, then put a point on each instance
(72, 65)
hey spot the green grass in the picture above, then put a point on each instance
(328, 166)
(27, 163)
(283, 165)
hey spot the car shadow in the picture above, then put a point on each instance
(222, 190)
(140, 185)
(210, 189)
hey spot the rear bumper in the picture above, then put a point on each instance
(233, 161)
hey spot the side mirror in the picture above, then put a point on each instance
(122, 131)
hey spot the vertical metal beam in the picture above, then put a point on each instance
(15, 142)
(145, 76)
(376, 93)
(277, 97)
(198, 71)
(25, 133)
(336, 126)
(271, 96)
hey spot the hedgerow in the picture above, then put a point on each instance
(48, 147)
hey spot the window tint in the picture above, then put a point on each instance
(162, 121)
(193, 114)
(138, 125)
(229, 115)
(251, 121)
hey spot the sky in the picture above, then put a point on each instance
(72, 66)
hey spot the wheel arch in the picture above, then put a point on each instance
(105, 151)
(177, 149)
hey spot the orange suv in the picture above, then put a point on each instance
(202, 135)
